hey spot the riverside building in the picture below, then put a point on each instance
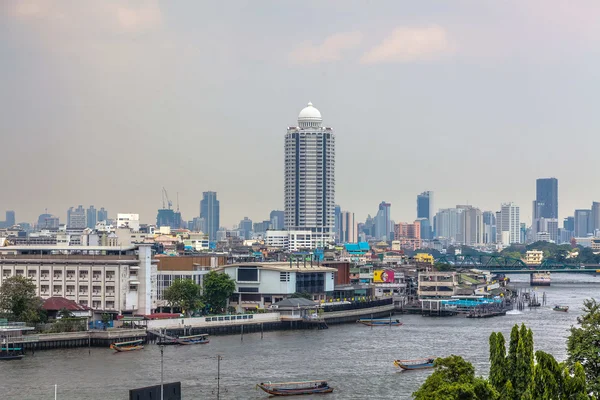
(104, 278)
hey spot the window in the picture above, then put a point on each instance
(267, 299)
(110, 275)
(248, 290)
(83, 274)
(97, 274)
(57, 288)
(45, 273)
(110, 290)
(83, 289)
(247, 274)
(19, 272)
(284, 277)
(96, 289)
(96, 304)
(110, 304)
(31, 273)
(6, 273)
(133, 288)
(70, 274)
(45, 288)
(57, 274)
(70, 288)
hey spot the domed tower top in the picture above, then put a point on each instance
(309, 117)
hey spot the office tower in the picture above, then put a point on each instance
(510, 224)
(426, 228)
(425, 206)
(310, 177)
(166, 217)
(446, 223)
(76, 218)
(582, 223)
(47, 221)
(277, 220)
(470, 225)
(102, 215)
(210, 212)
(245, 228)
(10, 219)
(546, 229)
(383, 223)
(489, 227)
(337, 214)
(348, 228)
(546, 198)
(595, 217)
(262, 227)
(91, 217)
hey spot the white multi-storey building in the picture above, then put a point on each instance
(131, 221)
(310, 177)
(118, 279)
(509, 226)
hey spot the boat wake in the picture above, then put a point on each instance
(513, 312)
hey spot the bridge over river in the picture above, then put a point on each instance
(508, 265)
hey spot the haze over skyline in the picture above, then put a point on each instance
(105, 103)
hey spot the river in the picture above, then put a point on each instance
(355, 359)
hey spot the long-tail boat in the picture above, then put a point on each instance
(195, 339)
(379, 322)
(127, 346)
(423, 363)
(561, 308)
(295, 388)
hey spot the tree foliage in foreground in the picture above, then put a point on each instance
(18, 298)
(184, 294)
(454, 379)
(218, 287)
(583, 345)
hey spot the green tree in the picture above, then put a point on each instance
(18, 298)
(454, 379)
(574, 384)
(583, 345)
(218, 287)
(498, 362)
(301, 295)
(185, 294)
(511, 359)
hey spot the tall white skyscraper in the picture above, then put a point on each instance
(348, 231)
(509, 225)
(310, 177)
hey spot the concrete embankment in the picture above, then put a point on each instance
(80, 339)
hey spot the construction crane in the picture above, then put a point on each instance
(166, 196)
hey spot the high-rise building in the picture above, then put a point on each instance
(337, 214)
(91, 217)
(446, 223)
(10, 218)
(102, 215)
(76, 218)
(569, 224)
(489, 227)
(546, 228)
(348, 228)
(47, 221)
(509, 229)
(277, 220)
(595, 217)
(262, 227)
(425, 206)
(211, 213)
(470, 225)
(582, 223)
(546, 198)
(245, 228)
(310, 177)
(409, 235)
(383, 222)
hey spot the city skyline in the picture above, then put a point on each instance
(472, 94)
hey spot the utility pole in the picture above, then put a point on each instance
(162, 389)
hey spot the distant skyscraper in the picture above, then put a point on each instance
(310, 177)
(546, 198)
(210, 212)
(10, 218)
(245, 228)
(91, 217)
(569, 224)
(510, 224)
(47, 221)
(102, 214)
(489, 227)
(595, 217)
(338, 223)
(582, 223)
(348, 229)
(383, 222)
(425, 206)
(76, 218)
(470, 224)
(446, 223)
(277, 220)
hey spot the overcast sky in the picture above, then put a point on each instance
(105, 102)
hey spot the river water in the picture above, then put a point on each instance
(355, 359)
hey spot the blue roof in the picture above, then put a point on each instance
(357, 247)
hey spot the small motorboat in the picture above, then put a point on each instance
(423, 363)
(295, 388)
(195, 339)
(127, 346)
(380, 322)
(11, 353)
(561, 308)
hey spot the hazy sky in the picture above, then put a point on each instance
(105, 102)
